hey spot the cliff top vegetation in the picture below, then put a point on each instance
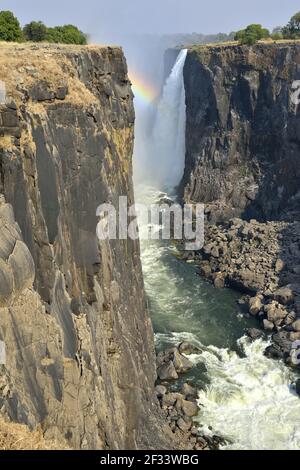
(37, 31)
(256, 32)
(19, 437)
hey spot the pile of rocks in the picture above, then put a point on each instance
(172, 362)
(243, 255)
(180, 407)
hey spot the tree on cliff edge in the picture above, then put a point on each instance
(35, 31)
(10, 29)
(67, 34)
(252, 34)
(292, 29)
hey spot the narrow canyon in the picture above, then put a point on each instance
(91, 328)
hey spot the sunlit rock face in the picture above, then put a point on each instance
(242, 135)
(73, 320)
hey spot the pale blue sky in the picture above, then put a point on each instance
(155, 16)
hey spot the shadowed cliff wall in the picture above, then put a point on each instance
(79, 343)
(242, 137)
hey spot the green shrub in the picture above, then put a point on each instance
(35, 31)
(10, 29)
(292, 29)
(277, 36)
(252, 34)
(67, 34)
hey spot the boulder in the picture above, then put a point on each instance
(160, 359)
(275, 312)
(189, 408)
(205, 269)
(295, 336)
(284, 295)
(290, 318)
(254, 333)
(167, 371)
(296, 325)
(189, 391)
(255, 305)
(268, 325)
(170, 399)
(201, 443)
(215, 252)
(247, 280)
(188, 348)
(184, 425)
(279, 265)
(181, 363)
(274, 352)
(219, 281)
(283, 341)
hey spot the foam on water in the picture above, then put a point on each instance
(250, 399)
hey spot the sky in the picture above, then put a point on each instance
(108, 18)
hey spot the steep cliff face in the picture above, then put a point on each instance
(73, 319)
(243, 130)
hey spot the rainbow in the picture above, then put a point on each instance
(143, 90)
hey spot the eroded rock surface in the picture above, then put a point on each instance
(242, 133)
(79, 345)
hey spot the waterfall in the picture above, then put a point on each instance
(168, 150)
(166, 144)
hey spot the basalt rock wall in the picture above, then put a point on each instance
(243, 130)
(74, 326)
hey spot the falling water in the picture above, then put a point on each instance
(165, 153)
(168, 154)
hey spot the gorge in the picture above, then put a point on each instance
(75, 312)
(241, 145)
(80, 357)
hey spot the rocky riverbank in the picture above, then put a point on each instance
(180, 406)
(262, 261)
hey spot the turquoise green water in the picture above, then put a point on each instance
(182, 302)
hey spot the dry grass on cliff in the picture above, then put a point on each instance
(236, 43)
(31, 63)
(18, 437)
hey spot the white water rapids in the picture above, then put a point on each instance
(243, 396)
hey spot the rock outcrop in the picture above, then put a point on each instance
(179, 404)
(242, 138)
(78, 340)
